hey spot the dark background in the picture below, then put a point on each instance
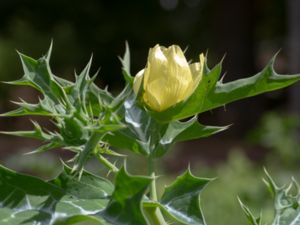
(248, 32)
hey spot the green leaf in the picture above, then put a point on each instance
(181, 200)
(81, 220)
(126, 65)
(182, 131)
(265, 81)
(140, 127)
(212, 93)
(29, 200)
(89, 147)
(198, 130)
(251, 219)
(88, 187)
(145, 135)
(43, 108)
(194, 104)
(287, 204)
(125, 206)
(37, 74)
(80, 110)
(37, 133)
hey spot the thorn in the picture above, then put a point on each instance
(48, 55)
(222, 78)
(89, 65)
(108, 173)
(80, 174)
(223, 58)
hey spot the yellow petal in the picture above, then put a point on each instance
(157, 63)
(197, 73)
(168, 78)
(162, 94)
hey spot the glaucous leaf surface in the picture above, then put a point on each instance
(125, 206)
(286, 203)
(181, 200)
(65, 200)
(145, 135)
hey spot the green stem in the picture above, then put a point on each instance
(107, 163)
(154, 214)
(151, 173)
(88, 149)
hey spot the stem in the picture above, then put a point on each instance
(107, 163)
(154, 214)
(153, 193)
(151, 172)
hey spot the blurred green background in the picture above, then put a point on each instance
(248, 32)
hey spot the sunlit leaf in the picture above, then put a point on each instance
(181, 200)
(28, 200)
(125, 206)
(212, 92)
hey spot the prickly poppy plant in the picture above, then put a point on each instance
(157, 108)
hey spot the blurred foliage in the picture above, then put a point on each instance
(238, 177)
(100, 27)
(103, 26)
(44, 165)
(278, 132)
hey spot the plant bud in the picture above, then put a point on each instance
(168, 78)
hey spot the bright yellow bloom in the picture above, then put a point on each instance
(168, 78)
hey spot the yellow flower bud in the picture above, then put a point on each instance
(168, 78)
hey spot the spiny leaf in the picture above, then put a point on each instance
(126, 65)
(46, 147)
(251, 219)
(265, 81)
(37, 74)
(198, 130)
(78, 109)
(272, 187)
(146, 136)
(212, 93)
(82, 83)
(28, 200)
(181, 199)
(287, 204)
(88, 149)
(42, 108)
(195, 102)
(37, 133)
(125, 204)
